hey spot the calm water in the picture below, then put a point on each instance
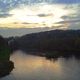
(28, 67)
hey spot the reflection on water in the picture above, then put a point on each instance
(28, 67)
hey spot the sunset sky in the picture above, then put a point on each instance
(20, 17)
(56, 14)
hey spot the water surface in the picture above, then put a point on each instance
(28, 67)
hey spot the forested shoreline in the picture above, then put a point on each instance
(52, 43)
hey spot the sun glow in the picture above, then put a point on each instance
(39, 15)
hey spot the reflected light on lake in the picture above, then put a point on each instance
(27, 63)
(29, 67)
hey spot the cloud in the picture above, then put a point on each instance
(38, 14)
(66, 1)
(51, 13)
(6, 5)
(69, 21)
(5, 15)
(45, 15)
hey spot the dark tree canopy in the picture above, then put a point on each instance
(64, 42)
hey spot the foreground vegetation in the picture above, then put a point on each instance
(6, 66)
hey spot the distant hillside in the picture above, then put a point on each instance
(49, 41)
(8, 32)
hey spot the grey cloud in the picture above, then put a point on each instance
(26, 23)
(44, 15)
(5, 15)
(69, 21)
(65, 17)
(74, 26)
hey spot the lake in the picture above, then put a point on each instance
(29, 67)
